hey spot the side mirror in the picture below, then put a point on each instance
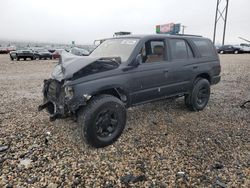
(137, 61)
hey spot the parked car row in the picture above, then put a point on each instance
(30, 54)
(41, 53)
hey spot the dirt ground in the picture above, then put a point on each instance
(163, 145)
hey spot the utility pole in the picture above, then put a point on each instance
(183, 28)
(221, 14)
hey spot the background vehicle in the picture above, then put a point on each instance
(127, 71)
(229, 49)
(22, 54)
(56, 53)
(3, 50)
(245, 47)
(6, 50)
(42, 54)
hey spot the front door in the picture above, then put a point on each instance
(149, 77)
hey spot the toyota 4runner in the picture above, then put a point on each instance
(127, 71)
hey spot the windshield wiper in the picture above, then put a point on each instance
(112, 59)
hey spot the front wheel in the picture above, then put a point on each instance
(102, 120)
(199, 96)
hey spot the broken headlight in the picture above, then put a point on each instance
(69, 92)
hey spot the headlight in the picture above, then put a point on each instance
(69, 92)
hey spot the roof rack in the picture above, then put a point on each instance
(121, 33)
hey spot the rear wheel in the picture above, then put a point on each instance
(221, 52)
(102, 120)
(198, 98)
(236, 51)
(18, 59)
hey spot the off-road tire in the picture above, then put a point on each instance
(201, 87)
(88, 115)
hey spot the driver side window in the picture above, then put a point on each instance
(153, 51)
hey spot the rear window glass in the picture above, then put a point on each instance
(205, 47)
(180, 49)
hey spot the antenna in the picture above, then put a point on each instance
(244, 39)
(221, 14)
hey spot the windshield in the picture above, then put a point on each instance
(115, 48)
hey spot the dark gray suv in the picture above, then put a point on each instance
(127, 71)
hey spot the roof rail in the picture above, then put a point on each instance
(187, 35)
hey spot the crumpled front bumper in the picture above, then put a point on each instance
(54, 99)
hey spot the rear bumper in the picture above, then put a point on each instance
(215, 80)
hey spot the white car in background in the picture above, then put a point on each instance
(245, 47)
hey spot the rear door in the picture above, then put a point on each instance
(180, 67)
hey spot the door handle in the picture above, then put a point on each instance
(195, 67)
(165, 70)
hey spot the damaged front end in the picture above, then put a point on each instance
(59, 100)
(53, 98)
(62, 99)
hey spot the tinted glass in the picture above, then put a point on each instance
(155, 51)
(180, 49)
(205, 47)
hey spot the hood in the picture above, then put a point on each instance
(70, 64)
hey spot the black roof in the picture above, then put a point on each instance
(150, 36)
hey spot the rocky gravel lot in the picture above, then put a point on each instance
(163, 145)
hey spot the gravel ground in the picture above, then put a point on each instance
(163, 145)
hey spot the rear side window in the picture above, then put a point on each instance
(205, 47)
(180, 49)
